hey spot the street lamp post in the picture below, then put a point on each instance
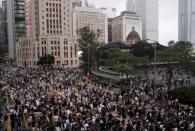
(155, 44)
(88, 59)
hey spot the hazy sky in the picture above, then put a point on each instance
(168, 16)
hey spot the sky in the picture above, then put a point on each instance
(168, 16)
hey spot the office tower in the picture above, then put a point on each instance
(131, 5)
(94, 19)
(48, 31)
(148, 11)
(109, 12)
(79, 3)
(15, 23)
(127, 28)
(110, 22)
(4, 5)
(3, 27)
(187, 21)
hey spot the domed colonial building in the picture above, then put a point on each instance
(133, 37)
(127, 28)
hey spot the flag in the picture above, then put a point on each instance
(8, 123)
(47, 118)
(25, 120)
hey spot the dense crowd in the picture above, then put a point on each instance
(179, 78)
(65, 100)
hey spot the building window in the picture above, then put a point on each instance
(66, 62)
(65, 54)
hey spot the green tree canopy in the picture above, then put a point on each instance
(176, 52)
(88, 45)
(120, 61)
(145, 49)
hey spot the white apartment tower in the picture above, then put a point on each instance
(48, 31)
(94, 19)
(187, 21)
(110, 12)
(148, 11)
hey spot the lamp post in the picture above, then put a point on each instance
(155, 44)
(88, 59)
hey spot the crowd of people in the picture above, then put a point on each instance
(65, 100)
(176, 77)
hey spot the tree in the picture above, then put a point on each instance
(171, 43)
(145, 49)
(122, 62)
(88, 45)
(176, 52)
(46, 60)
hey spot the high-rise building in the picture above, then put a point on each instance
(15, 23)
(127, 28)
(148, 11)
(94, 19)
(3, 25)
(131, 5)
(48, 31)
(110, 22)
(4, 4)
(79, 3)
(110, 12)
(187, 21)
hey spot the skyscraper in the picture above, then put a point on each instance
(187, 21)
(92, 18)
(110, 12)
(16, 23)
(79, 3)
(148, 10)
(131, 6)
(3, 25)
(48, 31)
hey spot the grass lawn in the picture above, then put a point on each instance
(186, 95)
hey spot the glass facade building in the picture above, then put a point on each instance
(3, 30)
(19, 14)
(187, 21)
(16, 24)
